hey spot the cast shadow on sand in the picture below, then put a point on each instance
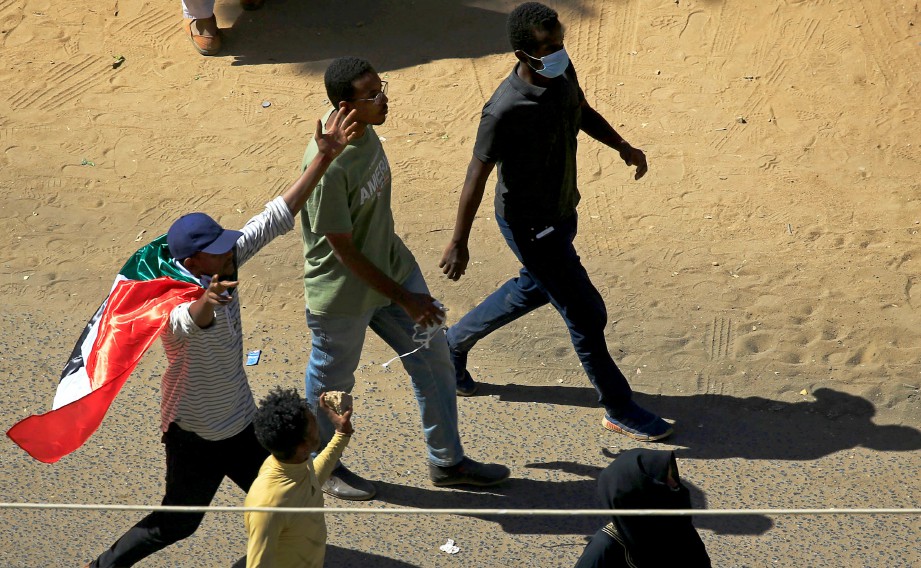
(338, 556)
(392, 34)
(518, 493)
(712, 426)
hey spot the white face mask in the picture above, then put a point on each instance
(555, 64)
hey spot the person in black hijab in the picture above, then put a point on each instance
(644, 479)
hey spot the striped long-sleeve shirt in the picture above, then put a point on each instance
(204, 388)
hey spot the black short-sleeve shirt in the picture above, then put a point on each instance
(530, 132)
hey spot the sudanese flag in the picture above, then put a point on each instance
(146, 290)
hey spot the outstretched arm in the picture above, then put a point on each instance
(329, 144)
(202, 309)
(456, 255)
(598, 128)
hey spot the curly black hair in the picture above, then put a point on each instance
(339, 77)
(524, 19)
(281, 422)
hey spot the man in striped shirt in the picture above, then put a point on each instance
(207, 407)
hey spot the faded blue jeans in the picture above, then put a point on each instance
(551, 273)
(336, 346)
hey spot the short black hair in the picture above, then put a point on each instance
(524, 19)
(281, 422)
(339, 77)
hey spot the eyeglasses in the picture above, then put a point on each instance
(377, 99)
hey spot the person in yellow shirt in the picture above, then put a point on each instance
(289, 478)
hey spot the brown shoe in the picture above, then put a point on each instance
(251, 4)
(204, 35)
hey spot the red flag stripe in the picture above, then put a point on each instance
(135, 314)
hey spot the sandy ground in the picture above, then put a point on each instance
(761, 281)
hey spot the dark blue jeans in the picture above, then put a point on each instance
(551, 273)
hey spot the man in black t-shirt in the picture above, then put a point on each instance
(529, 128)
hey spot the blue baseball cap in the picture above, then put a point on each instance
(197, 232)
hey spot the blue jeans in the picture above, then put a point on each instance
(335, 351)
(551, 273)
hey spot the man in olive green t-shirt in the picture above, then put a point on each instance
(359, 274)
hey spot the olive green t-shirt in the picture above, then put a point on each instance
(352, 197)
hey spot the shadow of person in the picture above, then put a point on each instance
(519, 493)
(392, 34)
(716, 426)
(734, 525)
(346, 557)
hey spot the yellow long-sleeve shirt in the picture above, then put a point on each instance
(280, 540)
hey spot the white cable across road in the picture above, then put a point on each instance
(469, 512)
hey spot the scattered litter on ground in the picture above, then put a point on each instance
(449, 547)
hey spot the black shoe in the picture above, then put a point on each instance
(468, 472)
(344, 484)
(466, 386)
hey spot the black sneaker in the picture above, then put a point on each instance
(344, 484)
(468, 472)
(466, 386)
(638, 423)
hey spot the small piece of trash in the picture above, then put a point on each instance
(119, 59)
(252, 358)
(86, 162)
(449, 547)
(26, 277)
(789, 228)
(741, 120)
(804, 392)
(266, 104)
(718, 129)
(138, 238)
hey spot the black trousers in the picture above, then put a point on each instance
(195, 468)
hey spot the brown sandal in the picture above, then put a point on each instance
(204, 44)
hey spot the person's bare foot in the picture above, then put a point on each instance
(204, 35)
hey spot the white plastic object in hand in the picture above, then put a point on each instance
(424, 335)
